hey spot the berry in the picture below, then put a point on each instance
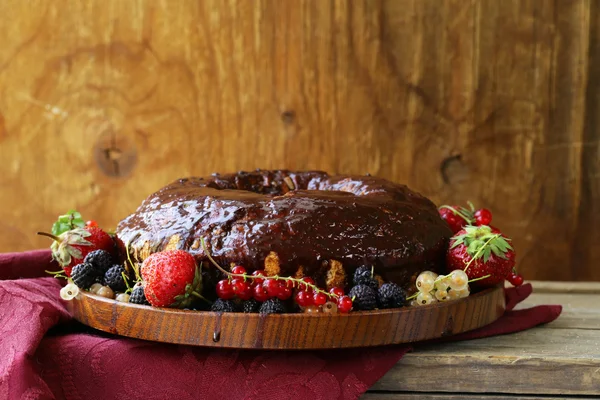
(337, 291)
(272, 287)
(443, 283)
(238, 269)
(319, 299)
(95, 287)
(391, 296)
(70, 247)
(311, 309)
(260, 294)
(225, 289)
(441, 295)
(124, 297)
(258, 281)
(107, 292)
(458, 280)
(424, 298)
(250, 306)
(304, 298)
(484, 252)
(310, 281)
(425, 282)
(456, 217)
(243, 290)
(483, 216)
(113, 278)
(344, 304)
(138, 296)
(284, 292)
(362, 273)
(272, 306)
(84, 275)
(102, 260)
(330, 308)
(221, 305)
(171, 277)
(515, 280)
(363, 297)
(91, 224)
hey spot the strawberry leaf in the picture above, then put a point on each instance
(71, 220)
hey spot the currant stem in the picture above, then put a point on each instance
(51, 236)
(300, 282)
(480, 278)
(459, 213)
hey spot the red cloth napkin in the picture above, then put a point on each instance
(44, 354)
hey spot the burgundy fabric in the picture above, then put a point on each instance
(44, 354)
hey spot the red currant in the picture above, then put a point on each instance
(91, 223)
(260, 294)
(320, 298)
(258, 272)
(483, 216)
(309, 281)
(238, 270)
(515, 280)
(284, 293)
(455, 221)
(272, 287)
(337, 291)
(304, 298)
(225, 289)
(242, 289)
(344, 304)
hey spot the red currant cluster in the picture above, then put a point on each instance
(262, 288)
(458, 217)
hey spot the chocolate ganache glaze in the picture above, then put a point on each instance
(298, 223)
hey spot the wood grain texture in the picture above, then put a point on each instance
(289, 331)
(557, 360)
(105, 101)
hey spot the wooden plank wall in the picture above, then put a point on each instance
(104, 101)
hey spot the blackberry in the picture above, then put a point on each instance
(391, 296)
(363, 297)
(138, 296)
(113, 278)
(272, 306)
(221, 305)
(100, 259)
(84, 275)
(364, 276)
(251, 306)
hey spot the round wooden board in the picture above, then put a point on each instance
(290, 331)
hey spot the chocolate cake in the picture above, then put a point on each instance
(294, 224)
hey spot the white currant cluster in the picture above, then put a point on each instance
(433, 287)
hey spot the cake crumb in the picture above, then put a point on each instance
(336, 276)
(272, 266)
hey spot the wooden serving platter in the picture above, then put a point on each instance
(289, 331)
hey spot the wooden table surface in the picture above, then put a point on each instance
(560, 360)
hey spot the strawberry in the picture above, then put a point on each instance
(70, 247)
(171, 278)
(481, 251)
